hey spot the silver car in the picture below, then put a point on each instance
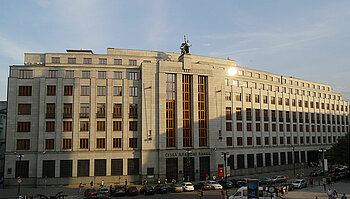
(299, 183)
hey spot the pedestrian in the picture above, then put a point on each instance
(311, 182)
(80, 186)
(335, 194)
(344, 197)
(158, 181)
(330, 193)
(92, 183)
(102, 182)
(166, 181)
(214, 178)
(110, 188)
(126, 182)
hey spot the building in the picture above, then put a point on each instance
(131, 114)
(3, 109)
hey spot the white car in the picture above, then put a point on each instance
(187, 186)
(214, 184)
(300, 183)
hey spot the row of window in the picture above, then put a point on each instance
(24, 144)
(282, 140)
(69, 74)
(84, 126)
(73, 60)
(279, 80)
(287, 102)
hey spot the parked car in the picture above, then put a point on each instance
(265, 180)
(214, 185)
(103, 190)
(88, 192)
(147, 190)
(132, 191)
(239, 182)
(226, 185)
(279, 179)
(175, 188)
(187, 186)
(99, 195)
(299, 183)
(119, 191)
(202, 186)
(161, 188)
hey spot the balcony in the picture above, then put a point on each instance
(67, 115)
(50, 115)
(84, 115)
(100, 115)
(117, 115)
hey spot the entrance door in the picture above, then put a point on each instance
(188, 163)
(171, 169)
(204, 167)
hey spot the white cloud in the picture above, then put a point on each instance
(11, 49)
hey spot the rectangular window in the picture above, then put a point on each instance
(239, 97)
(228, 141)
(24, 91)
(228, 126)
(24, 109)
(133, 111)
(85, 74)
(132, 62)
(52, 73)
(239, 126)
(133, 142)
(51, 90)
(23, 144)
(85, 90)
(69, 74)
(83, 168)
(55, 60)
(68, 90)
(239, 141)
(118, 75)
(67, 144)
(48, 169)
(118, 62)
(25, 74)
(117, 111)
(102, 74)
(101, 125)
(228, 113)
(133, 166)
(249, 141)
(72, 60)
(133, 125)
(117, 125)
(101, 112)
(66, 168)
(117, 143)
(100, 143)
(258, 141)
(117, 91)
(273, 100)
(257, 98)
(87, 60)
(67, 110)
(101, 91)
(146, 61)
(248, 98)
(67, 126)
(239, 113)
(116, 167)
(133, 91)
(50, 111)
(84, 126)
(202, 110)
(102, 61)
(170, 109)
(228, 96)
(23, 126)
(50, 126)
(133, 76)
(84, 143)
(84, 110)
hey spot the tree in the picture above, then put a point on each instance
(339, 153)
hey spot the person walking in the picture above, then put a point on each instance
(335, 194)
(102, 182)
(330, 193)
(92, 183)
(344, 196)
(80, 186)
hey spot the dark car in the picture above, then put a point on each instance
(202, 186)
(119, 191)
(132, 191)
(161, 188)
(147, 190)
(265, 180)
(226, 185)
(175, 188)
(99, 195)
(88, 192)
(239, 182)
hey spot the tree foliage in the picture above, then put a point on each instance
(339, 153)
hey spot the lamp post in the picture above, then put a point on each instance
(188, 151)
(323, 150)
(19, 156)
(293, 161)
(225, 155)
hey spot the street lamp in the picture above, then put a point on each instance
(225, 155)
(19, 156)
(188, 151)
(293, 161)
(323, 150)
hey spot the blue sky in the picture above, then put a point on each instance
(305, 39)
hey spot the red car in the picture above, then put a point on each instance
(132, 191)
(88, 192)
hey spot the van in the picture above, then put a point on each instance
(241, 193)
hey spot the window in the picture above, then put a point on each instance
(102, 61)
(258, 141)
(67, 144)
(228, 113)
(23, 144)
(280, 101)
(67, 126)
(23, 126)
(117, 143)
(249, 126)
(146, 61)
(238, 97)
(133, 111)
(24, 91)
(118, 75)
(84, 126)
(240, 72)
(52, 73)
(55, 60)
(133, 75)
(228, 126)
(118, 62)
(274, 140)
(235, 82)
(239, 113)
(85, 90)
(85, 74)
(49, 144)
(51, 90)
(101, 125)
(257, 127)
(281, 140)
(68, 90)
(267, 141)
(117, 125)
(24, 109)
(87, 60)
(257, 98)
(249, 141)
(239, 141)
(117, 91)
(117, 111)
(133, 125)
(228, 96)
(306, 104)
(133, 142)
(50, 126)
(273, 100)
(133, 91)
(228, 141)
(132, 62)
(100, 143)
(84, 110)
(102, 74)
(84, 143)
(69, 74)
(265, 99)
(50, 110)
(72, 60)
(239, 126)
(100, 111)
(101, 91)
(287, 102)
(248, 98)
(25, 74)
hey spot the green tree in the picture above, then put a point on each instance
(339, 153)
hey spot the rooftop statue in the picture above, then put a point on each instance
(185, 46)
